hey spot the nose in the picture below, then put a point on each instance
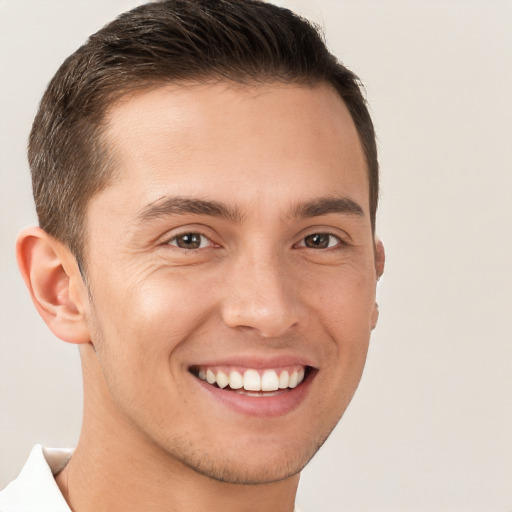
(260, 296)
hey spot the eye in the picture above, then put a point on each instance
(320, 241)
(190, 241)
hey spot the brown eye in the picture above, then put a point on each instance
(321, 241)
(189, 241)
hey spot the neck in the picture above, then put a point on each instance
(115, 467)
(95, 481)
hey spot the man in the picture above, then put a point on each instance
(206, 181)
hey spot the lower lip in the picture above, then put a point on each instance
(262, 406)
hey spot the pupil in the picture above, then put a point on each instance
(317, 241)
(189, 241)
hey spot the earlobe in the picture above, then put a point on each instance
(53, 279)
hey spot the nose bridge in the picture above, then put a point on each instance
(260, 294)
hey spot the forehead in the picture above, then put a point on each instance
(235, 142)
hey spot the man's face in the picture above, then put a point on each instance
(235, 246)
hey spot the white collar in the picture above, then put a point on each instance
(35, 489)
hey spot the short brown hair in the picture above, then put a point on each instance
(245, 41)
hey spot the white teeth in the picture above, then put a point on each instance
(293, 380)
(222, 379)
(210, 377)
(251, 383)
(236, 381)
(284, 378)
(269, 381)
(252, 380)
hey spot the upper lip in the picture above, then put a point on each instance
(257, 362)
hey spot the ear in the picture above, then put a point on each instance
(380, 258)
(55, 284)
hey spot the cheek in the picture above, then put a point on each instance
(345, 300)
(147, 322)
(344, 310)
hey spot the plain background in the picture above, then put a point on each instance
(430, 427)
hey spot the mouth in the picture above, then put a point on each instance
(253, 382)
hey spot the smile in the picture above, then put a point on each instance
(252, 382)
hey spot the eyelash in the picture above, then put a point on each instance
(190, 233)
(301, 244)
(339, 241)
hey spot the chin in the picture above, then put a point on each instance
(264, 463)
(249, 474)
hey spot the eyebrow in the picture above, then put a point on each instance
(176, 205)
(326, 205)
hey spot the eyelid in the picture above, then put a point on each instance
(175, 237)
(342, 236)
(302, 241)
(190, 229)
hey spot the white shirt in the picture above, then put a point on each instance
(35, 489)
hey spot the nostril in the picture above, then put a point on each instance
(267, 323)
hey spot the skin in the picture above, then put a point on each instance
(255, 290)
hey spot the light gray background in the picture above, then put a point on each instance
(430, 427)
